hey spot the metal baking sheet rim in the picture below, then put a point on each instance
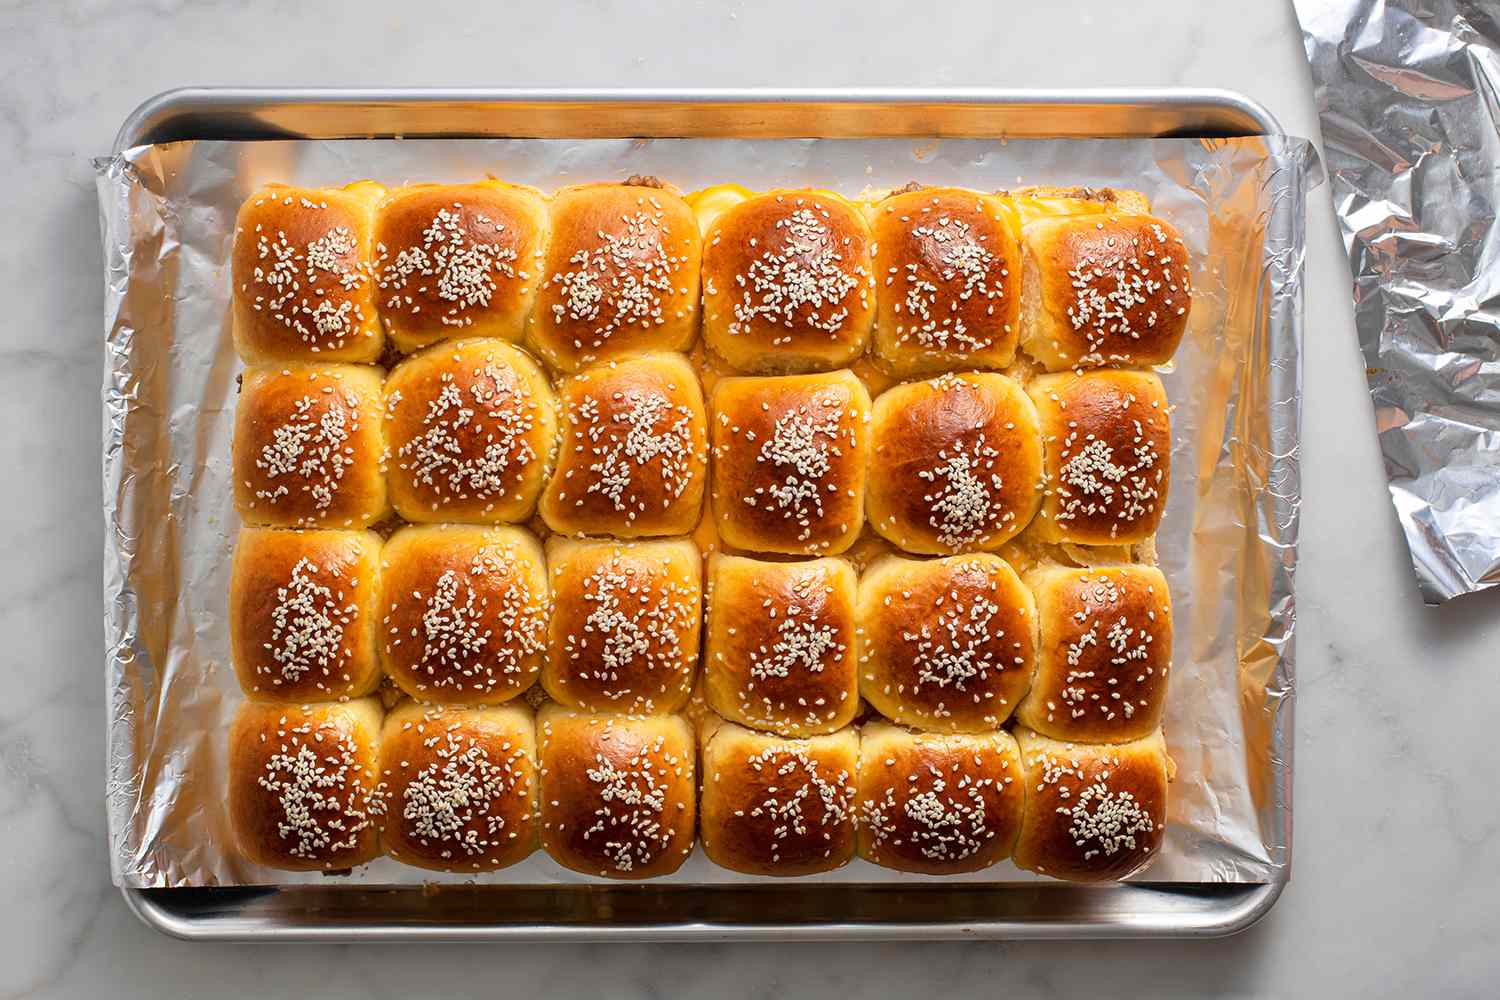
(1165, 909)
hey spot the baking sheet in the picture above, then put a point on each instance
(1227, 543)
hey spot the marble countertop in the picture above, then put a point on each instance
(1397, 858)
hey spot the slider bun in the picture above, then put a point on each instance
(947, 281)
(1108, 450)
(1103, 289)
(1093, 813)
(955, 463)
(303, 779)
(461, 787)
(945, 644)
(471, 428)
(938, 804)
(457, 260)
(302, 614)
(308, 447)
(626, 619)
(618, 792)
(301, 275)
(776, 806)
(465, 612)
(780, 644)
(620, 275)
(1104, 655)
(787, 282)
(790, 456)
(633, 455)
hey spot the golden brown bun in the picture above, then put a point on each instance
(620, 275)
(1104, 655)
(1093, 813)
(461, 787)
(633, 454)
(618, 792)
(947, 281)
(626, 619)
(471, 428)
(303, 780)
(457, 260)
(1102, 290)
(1108, 447)
(465, 612)
(938, 804)
(303, 614)
(308, 447)
(301, 275)
(788, 282)
(789, 462)
(777, 806)
(955, 464)
(945, 644)
(780, 644)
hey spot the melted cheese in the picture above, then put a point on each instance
(712, 202)
(369, 192)
(1022, 210)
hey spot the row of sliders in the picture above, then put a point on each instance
(472, 431)
(330, 786)
(924, 279)
(456, 614)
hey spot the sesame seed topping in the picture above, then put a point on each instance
(477, 628)
(1118, 277)
(310, 451)
(799, 279)
(449, 264)
(631, 823)
(315, 775)
(955, 267)
(475, 445)
(456, 804)
(629, 643)
(1110, 465)
(308, 624)
(963, 505)
(618, 283)
(940, 810)
(643, 447)
(306, 287)
(805, 800)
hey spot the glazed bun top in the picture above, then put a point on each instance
(457, 260)
(301, 275)
(948, 281)
(788, 282)
(621, 275)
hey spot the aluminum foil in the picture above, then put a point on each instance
(1227, 544)
(1408, 95)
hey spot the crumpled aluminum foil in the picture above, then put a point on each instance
(1227, 544)
(1408, 94)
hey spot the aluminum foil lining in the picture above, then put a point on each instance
(1408, 94)
(1227, 544)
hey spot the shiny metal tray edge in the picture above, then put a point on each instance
(643, 913)
(780, 912)
(257, 113)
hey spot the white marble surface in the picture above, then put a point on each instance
(1397, 858)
